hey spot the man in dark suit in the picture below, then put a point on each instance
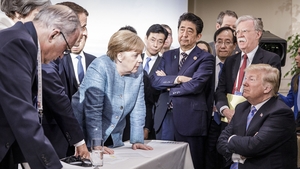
(21, 133)
(249, 31)
(262, 131)
(69, 66)
(185, 77)
(59, 123)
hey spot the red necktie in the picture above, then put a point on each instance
(241, 75)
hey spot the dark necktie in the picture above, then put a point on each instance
(241, 73)
(146, 68)
(80, 70)
(221, 67)
(184, 56)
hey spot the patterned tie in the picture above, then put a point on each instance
(241, 75)
(250, 116)
(184, 56)
(146, 68)
(80, 71)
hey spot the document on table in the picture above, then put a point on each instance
(122, 156)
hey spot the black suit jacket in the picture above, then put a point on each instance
(231, 68)
(67, 73)
(59, 123)
(19, 121)
(269, 142)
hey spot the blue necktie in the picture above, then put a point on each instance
(216, 114)
(298, 95)
(146, 68)
(80, 70)
(221, 67)
(250, 116)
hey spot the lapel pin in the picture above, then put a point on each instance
(174, 56)
(195, 57)
(261, 115)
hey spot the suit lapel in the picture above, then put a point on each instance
(155, 65)
(236, 67)
(193, 56)
(258, 56)
(174, 58)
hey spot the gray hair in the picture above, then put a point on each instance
(60, 17)
(258, 24)
(23, 7)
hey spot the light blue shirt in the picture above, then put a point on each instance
(105, 98)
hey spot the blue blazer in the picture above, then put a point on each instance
(105, 98)
(192, 105)
(18, 86)
(291, 98)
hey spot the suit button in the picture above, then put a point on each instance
(117, 117)
(112, 125)
(7, 145)
(121, 107)
(120, 96)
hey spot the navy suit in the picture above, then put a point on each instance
(21, 131)
(191, 106)
(59, 123)
(270, 140)
(67, 73)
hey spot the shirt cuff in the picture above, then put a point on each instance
(176, 81)
(222, 108)
(79, 143)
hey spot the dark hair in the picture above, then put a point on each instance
(75, 7)
(206, 44)
(220, 30)
(192, 18)
(157, 28)
(129, 28)
(222, 14)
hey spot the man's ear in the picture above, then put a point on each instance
(53, 34)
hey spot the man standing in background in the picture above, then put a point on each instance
(73, 65)
(169, 40)
(228, 19)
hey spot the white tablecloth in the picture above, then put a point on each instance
(166, 155)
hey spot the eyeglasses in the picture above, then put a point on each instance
(243, 31)
(226, 43)
(68, 50)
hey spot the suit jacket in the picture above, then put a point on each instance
(59, 123)
(292, 98)
(19, 117)
(151, 94)
(269, 142)
(67, 73)
(105, 98)
(231, 68)
(191, 106)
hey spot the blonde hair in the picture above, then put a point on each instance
(269, 75)
(122, 41)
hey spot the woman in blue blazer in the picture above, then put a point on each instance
(291, 98)
(112, 88)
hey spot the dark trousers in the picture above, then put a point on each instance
(196, 144)
(8, 161)
(166, 131)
